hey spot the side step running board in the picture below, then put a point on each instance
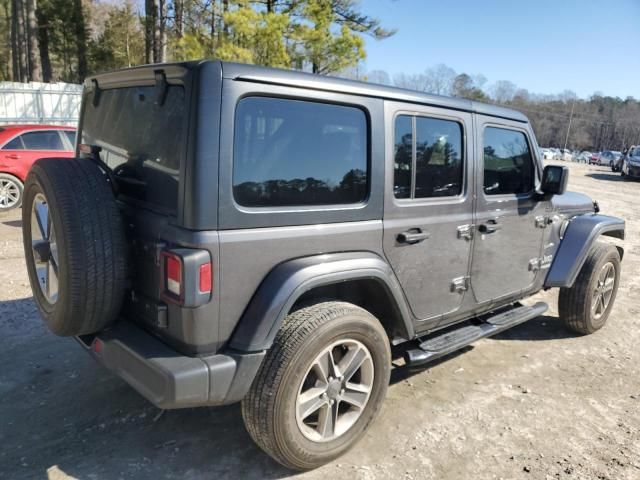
(437, 347)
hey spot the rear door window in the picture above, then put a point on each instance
(436, 152)
(42, 140)
(15, 144)
(508, 165)
(296, 153)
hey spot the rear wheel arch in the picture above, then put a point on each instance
(370, 294)
(340, 276)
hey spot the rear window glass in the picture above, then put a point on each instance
(141, 140)
(43, 140)
(294, 153)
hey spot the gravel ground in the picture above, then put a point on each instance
(536, 402)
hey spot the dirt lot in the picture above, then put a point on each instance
(536, 402)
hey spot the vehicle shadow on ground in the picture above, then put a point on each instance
(13, 223)
(613, 176)
(60, 410)
(545, 327)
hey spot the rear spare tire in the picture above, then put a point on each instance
(74, 244)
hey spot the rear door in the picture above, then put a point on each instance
(428, 206)
(510, 220)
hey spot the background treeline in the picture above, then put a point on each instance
(51, 40)
(597, 123)
(65, 40)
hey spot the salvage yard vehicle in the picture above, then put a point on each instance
(235, 233)
(20, 147)
(630, 164)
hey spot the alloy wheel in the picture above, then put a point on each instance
(9, 193)
(44, 248)
(335, 390)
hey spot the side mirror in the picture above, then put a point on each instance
(554, 180)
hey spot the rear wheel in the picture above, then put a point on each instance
(11, 190)
(320, 386)
(586, 305)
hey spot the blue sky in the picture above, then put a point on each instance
(544, 46)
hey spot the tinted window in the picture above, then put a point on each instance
(508, 167)
(438, 149)
(44, 140)
(438, 158)
(15, 144)
(141, 139)
(290, 152)
(71, 136)
(403, 156)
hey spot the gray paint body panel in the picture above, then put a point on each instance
(288, 281)
(578, 239)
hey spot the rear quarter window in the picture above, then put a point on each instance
(297, 153)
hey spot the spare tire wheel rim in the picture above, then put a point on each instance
(334, 391)
(44, 248)
(603, 290)
(9, 193)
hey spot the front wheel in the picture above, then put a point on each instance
(320, 386)
(586, 305)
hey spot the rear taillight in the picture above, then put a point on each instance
(187, 276)
(205, 281)
(173, 273)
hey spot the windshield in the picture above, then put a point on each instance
(140, 139)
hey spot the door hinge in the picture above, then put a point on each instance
(460, 284)
(541, 263)
(542, 221)
(465, 232)
(534, 264)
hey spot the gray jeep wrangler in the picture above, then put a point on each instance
(233, 233)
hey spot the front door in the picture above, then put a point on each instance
(428, 206)
(509, 218)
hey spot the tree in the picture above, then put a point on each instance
(503, 91)
(35, 69)
(80, 39)
(463, 86)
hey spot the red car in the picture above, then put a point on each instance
(20, 146)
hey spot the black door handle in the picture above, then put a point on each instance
(491, 226)
(415, 235)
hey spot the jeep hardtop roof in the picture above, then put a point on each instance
(290, 78)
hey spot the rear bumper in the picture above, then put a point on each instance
(167, 378)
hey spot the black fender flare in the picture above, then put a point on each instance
(281, 288)
(582, 232)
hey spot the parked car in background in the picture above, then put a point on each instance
(610, 158)
(631, 163)
(595, 159)
(565, 154)
(20, 147)
(548, 154)
(583, 157)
